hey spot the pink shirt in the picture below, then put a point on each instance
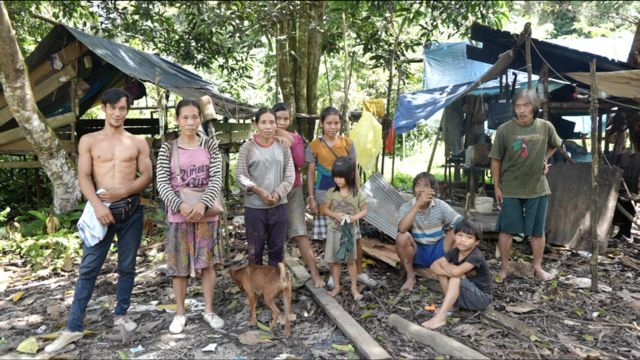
(194, 173)
(297, 153)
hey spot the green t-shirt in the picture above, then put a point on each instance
(522, 150)
(349, 205)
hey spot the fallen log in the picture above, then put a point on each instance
(512, 324)
(366, 346)
(435, 340)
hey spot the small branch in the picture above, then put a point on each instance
(40, 17)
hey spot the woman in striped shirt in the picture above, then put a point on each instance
(192, 246)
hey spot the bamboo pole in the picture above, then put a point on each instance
(595, 156)
(544, 73)
(528, 57)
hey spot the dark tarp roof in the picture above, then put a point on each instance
(561, 58)
(139, 65)
(421, 105)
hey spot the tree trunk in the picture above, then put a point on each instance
(285, 66)
(315, 53)
(21, 102)
(634, 54)
(301, 59)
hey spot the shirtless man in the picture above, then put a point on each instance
(109, 159)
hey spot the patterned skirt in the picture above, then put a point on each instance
(191, 247)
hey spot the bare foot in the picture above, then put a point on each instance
(501, 277)
(435, 322)
(318, 282)
(356, 295)
(333, 292)
(541, 274)
(409, 284)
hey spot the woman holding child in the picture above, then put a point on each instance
(320, 156)
(192, 246)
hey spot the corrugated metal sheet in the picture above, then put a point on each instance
(383, 202)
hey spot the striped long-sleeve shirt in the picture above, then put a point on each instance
(268, 167)
(163, 175)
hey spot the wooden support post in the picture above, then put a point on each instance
(527, 51)
(439, 342)
(544, 74)
(433, 151)
(595, 156)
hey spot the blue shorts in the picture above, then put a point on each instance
(523, 216)
(428, 254)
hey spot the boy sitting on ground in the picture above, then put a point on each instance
(463, 273)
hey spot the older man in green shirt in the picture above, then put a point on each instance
(519, 157)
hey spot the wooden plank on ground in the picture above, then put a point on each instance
(45, 88)
(55, 122)
(367, 347)
(381, 251)
(439, 342)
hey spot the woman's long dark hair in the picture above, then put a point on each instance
(345, 168)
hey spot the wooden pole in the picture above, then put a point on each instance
(527, 50)
(595, 156)
(544, 73)
(433, 151)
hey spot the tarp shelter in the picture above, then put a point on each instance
(421, 105)
(448, 68)
(67, 54)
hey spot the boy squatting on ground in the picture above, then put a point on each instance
(464, 275)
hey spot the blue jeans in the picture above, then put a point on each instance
(129, 233)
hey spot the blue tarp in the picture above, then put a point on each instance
(446, 64)
(421, 105)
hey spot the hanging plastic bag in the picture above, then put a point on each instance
(367, 139)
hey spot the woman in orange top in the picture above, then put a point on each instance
(320, 156)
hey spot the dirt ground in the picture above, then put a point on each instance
(561, 318)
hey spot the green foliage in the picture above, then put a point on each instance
(579, 19)
(403, 182)
(34, 222)
(4, 215)
(43, 251)
(413, 139)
